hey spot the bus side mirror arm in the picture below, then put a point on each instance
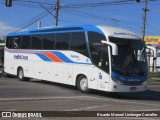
(113, 45)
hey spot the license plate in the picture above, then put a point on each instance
(133, 89)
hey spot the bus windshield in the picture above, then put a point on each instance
(131, 58)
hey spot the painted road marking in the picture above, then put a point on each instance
(124, 101)
(41, 98)
(77, 97)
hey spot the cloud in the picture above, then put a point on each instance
(5, 28)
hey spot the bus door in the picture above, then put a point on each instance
(103, 72)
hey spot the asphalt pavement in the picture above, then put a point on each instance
(38, 95)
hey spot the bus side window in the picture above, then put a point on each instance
(104, 59)
(36, 41)
(78, 43)
(99, 53)
(62, 41)
(48, 41)
(9, 42)
(26, 42)
(17, 42)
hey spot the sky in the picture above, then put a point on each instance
(23, 14)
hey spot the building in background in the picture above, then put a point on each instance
(153, 41)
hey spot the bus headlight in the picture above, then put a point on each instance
(117, 81)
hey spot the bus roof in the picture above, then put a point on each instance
(106, 30)
(118, 32)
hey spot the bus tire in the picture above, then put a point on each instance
(20, 75)
(82, 84)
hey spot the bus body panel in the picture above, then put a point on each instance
(64, 66)
(60, 72)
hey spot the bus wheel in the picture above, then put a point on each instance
(20, 75)
(82, 84)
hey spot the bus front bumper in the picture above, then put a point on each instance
(124, 88)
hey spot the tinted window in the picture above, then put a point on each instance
(94, 43)
(36, 42)
(9, 42)
(78, 41)
(62, 41)
(48, 41)
(26, 42)
(99, 52)
(17, 42)
(103, 61)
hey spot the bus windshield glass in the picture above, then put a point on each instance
(131, 58)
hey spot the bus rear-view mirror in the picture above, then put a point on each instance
(112, 45)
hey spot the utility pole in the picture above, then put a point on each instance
(9, 3)
(144, 19)
(56, 14)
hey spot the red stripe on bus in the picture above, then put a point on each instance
(52, 57)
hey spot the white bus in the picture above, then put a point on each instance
(85, 56)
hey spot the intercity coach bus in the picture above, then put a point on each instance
(86, 56)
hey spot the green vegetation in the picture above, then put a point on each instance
(154, 77)
(2, 40)
(154, 74)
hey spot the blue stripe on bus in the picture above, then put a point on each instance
(129, 78)
(43, 57)
(63, 57)
(39, 53)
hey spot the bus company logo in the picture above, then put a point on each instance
(123, 33)
(133, 80)
(21, 57)
(74, 56)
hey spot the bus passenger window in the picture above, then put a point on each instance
(9, 42)
(62, 41)
(36, 41)
(17, 42)
(78, 43)
(26, 42)
(48, 41)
